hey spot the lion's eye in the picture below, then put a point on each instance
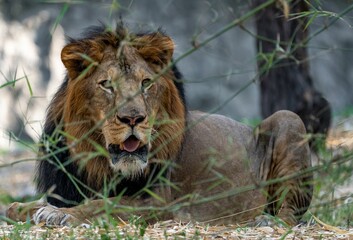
(106, 85)
(146, 84)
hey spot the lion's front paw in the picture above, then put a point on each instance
(53, 216)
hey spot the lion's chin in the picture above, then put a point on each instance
(130, 168)
(129, 164)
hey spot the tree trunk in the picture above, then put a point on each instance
(287, 84)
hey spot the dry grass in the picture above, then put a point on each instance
(176, 230)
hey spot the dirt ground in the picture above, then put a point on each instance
(17, 171)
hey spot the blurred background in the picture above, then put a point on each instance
(32, 34)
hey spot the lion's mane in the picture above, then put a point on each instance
(65, 167)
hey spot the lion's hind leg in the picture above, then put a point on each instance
(286, 157)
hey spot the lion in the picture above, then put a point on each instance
(118, 134)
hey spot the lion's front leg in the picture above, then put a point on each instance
(40, 211)
(23, 211)
(120, 208)
(53, 216)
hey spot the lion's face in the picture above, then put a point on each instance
(135, 108)
(126, 98)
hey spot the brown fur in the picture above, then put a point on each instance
(212, 159)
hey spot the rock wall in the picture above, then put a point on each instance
(32, 35)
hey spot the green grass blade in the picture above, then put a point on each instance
(60, 17)
(154, 195)
(28, 84)
(10, 83)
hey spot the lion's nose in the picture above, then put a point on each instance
(132, 121)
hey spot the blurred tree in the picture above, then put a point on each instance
(285, 81)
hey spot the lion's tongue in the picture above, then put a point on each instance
(131, 144)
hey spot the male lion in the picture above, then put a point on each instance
(118, 129)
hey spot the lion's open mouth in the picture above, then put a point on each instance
(130, 149)
(131, 144)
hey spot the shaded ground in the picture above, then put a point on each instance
(16, 181)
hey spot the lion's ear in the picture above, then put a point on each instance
(155, 48)
(80, 57)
